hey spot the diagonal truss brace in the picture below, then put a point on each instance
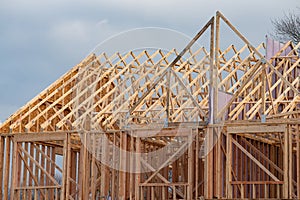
(208, 24)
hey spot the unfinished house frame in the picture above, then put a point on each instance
(205, 123)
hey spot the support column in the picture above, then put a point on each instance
(105, 152)
(84, 171)
(69, 166)
(290, 154)
(15, 167)
(218, 164)
(65, 166)
(52, 171)
(122, 174)
(298, 161)
(113, 173)
(1, 164)
(31, 179)
(197, 165)
(228, 166)
(208, 176)
(190, 167)
(131, 174)
(7, 167)
(93, 166)
(286, 165)
(138, 168)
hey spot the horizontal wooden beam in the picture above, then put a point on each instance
(256, 182)
(162, 184)
(256, 129)
(39, 137)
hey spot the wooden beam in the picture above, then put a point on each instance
(156, 172)
(198, 35)
(37, 164)
(209, 166)
(256, 129)
(254, 160)
(15, 171)
(286, 165)
(138, 167)
(122, 169)
(33, 176)
(190, 166)
(229, 140)
(298, 161)
(261, 154)
(2, 145)
(257, 52)
(290, 162)
(34, 137)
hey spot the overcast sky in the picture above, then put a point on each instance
(41, 40)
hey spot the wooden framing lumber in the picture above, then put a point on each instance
(151, 101)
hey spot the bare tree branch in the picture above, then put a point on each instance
(287, 28)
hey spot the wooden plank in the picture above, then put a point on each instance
(7, 167)
(190, 167)
(47, 157)
(290, 161)
(52, 161)
(257, 52)
(182, 131)
(156, 172)
(68, 166)
(33, 137)
(38, 187)
(262, 155)
(254, 160)
(250, 91)
(104, 188)
(164, 184)
(35, 180)
(131, 174)
(122, 175)
(113, 174)
(80, 172)
(298, 161)
(43, 171)
(104, 98)
(38, 166)
(59, 99)
(219, 165)
(138, 167)
(24, 172)
(209, 163)
(254, 191)
(65, 166)
(31, 152)
(257, 182)
(168, 88)
(286, 165)
(256, 129)
(48, 169)
(197, 165)
(86, 172)
(93, 167)
(2, 145)
(198, 35)
(45, 92)
(228, 166)
(202, 113)
(15, 164)
(255, 69)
